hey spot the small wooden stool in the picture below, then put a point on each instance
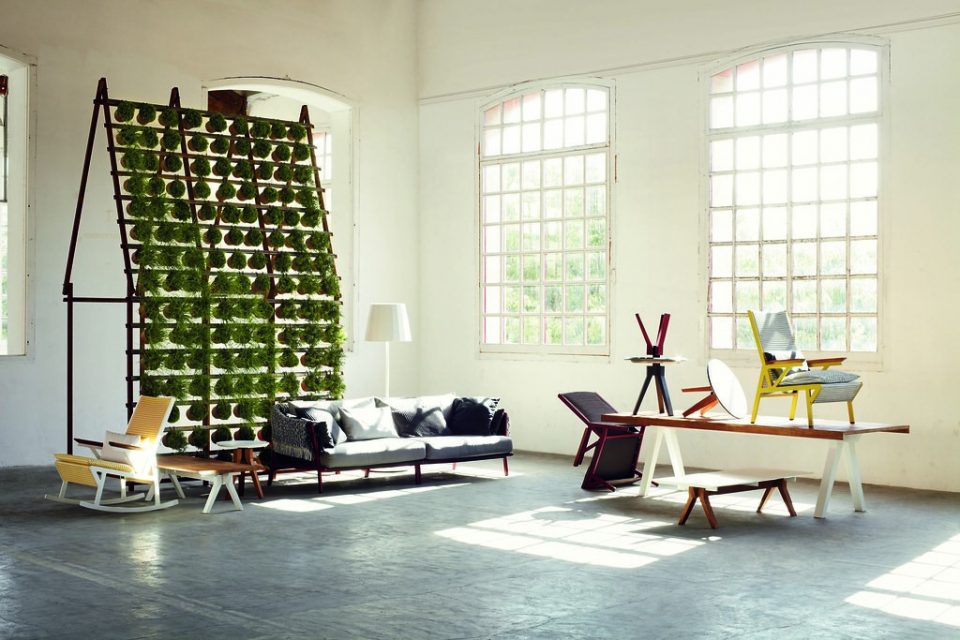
(700, 486)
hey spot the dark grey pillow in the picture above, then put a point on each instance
(472, 416)
(329, 433)
(420, 421)
(419, 417)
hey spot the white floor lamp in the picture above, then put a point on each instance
(388, 323)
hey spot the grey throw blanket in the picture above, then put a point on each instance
(288, 433)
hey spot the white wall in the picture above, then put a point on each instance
(469, 50)
(364, 51)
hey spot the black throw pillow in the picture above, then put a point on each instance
(472, 416)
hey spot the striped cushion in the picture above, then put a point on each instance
(839, 392)
(776, 336)
(819, 376)
(84, 461)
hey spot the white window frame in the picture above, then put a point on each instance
(342, 119)
(20, 155)
(325, 160)
(528, 351)
(747, 354)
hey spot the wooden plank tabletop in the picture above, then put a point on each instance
(765, 425)
(194, 464)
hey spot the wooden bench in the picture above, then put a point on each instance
(218, 473)
(701, 486)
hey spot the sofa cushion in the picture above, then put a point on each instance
(458, 447)
(361, 453)
(368, 424)
(329, 433)
(308, 409)
(472, 416)
(419, 417)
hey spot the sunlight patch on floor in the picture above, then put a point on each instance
(319, 503)
(385, 494)
(573, 535)
(926, 588)
(293, 506)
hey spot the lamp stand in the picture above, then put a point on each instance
(386, 392)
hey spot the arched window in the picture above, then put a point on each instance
(14, 154)
(794, 171)
(545, 158)
(334, 121)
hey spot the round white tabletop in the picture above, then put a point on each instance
(727, 388)
(242, 444)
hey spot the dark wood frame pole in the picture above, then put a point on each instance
(99, 103)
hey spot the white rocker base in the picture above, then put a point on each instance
(66, 500)
(153, 506)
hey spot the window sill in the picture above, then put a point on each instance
(485, 353)
(747, 359)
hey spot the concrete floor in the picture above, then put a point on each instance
(477, 555)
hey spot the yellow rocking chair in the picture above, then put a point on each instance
(786, 372)
(130, 457)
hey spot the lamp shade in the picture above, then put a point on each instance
(388, 322)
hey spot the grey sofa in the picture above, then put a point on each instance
(370, 433)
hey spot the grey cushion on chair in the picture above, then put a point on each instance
(819, 376)
(776, 336)
(839, 392)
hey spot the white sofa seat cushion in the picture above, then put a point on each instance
(360, 453)
(459, 447)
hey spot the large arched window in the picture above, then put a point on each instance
(334, 121)
(545, 158)
(794, 170)
(14, 160)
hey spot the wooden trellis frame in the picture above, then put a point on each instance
(318, 359)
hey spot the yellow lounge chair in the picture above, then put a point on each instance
(786, 372)
(123, 460)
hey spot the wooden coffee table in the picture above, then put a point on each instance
(218, 473)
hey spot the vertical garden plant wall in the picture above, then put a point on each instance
(231, 255)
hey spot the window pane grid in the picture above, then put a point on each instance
(793, 197)
(544, 212)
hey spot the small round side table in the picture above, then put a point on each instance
(243, 454)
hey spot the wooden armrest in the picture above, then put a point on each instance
(780, 364)
(129, 447)
(825, 362)
(696, 389)
(88, 443)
